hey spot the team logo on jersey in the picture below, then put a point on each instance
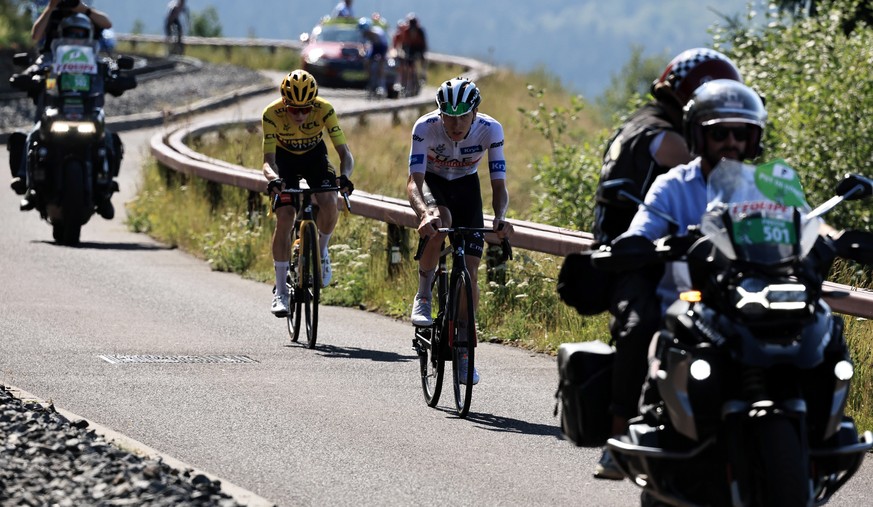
(471, 149)
(417, 138)
(498, 166)
(497, 145)
(440, 148)
(416, 159)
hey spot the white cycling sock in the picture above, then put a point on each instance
(322, 240)
(425, 282)
(281, 276)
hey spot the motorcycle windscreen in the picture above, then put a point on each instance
(757, 214)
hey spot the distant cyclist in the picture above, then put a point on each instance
(343, 9)
(294, 148)
(448, 144)
(377, 51)
(415, 44)
(175, 10)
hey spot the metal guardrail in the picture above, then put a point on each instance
(172, 151)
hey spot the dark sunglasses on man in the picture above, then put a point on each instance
(720, 133)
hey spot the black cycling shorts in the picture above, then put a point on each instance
(463, 198)
(312, 166)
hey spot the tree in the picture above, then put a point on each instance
(205, 23)
(15, 21)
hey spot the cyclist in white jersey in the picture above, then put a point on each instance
(448, 144)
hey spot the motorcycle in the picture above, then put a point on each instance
(71, 159)
(750, 372)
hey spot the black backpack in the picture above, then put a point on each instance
(627, 156)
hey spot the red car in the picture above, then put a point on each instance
(335, 54)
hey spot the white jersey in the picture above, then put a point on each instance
(434, 152)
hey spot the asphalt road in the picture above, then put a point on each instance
(340, 425)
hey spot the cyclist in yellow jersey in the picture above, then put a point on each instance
(294, 149)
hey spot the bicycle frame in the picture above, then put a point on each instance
(304, 279)
(438, 342)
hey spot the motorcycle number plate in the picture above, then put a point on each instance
(762, 230)
(75, 82)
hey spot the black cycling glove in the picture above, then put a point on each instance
(275, 184)
(345, 182)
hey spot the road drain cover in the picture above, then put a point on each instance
(148, 358)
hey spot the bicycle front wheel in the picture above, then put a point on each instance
(311, 273)
(294, 289)
(463, 343)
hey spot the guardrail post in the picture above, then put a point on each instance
(398, 248)
(495, 269)
(255, 207)
(213, 192)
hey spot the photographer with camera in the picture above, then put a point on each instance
(45, 27)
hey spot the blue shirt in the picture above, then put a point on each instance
(681, 194)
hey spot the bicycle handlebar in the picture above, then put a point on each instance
(507, 248)
(310, 191)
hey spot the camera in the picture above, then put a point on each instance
(69, 4)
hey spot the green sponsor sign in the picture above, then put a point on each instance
(779, 182)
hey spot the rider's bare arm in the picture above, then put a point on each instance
(430, 217)
(271, 171)
(500, 204)
(672, 151)
(347, 161)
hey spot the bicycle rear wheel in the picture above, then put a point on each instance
(432, 362)
(311, 273)
(462, 346)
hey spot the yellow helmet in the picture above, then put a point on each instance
(299, 89)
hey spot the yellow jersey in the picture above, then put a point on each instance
(280, 131)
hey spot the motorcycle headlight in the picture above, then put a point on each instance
(314, 56)
(81, 127)
(754, 297)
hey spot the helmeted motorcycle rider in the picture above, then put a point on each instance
(647, 145)
(723, 119)
(80, 28)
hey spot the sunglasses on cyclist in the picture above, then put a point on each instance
(299, 110)
(719, 133)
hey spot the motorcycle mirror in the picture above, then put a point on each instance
(855, 186)
(125, 62)
(22, 59)
(617, 191)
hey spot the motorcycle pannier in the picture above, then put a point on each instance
(585, 391)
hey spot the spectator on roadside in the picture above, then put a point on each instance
(46, 25)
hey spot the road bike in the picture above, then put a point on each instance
(304, 273)
(439, 342)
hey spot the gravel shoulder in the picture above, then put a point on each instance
(47, 458)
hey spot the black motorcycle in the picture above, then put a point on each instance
(71, 159)
(751, 372)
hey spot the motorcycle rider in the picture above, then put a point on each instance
(722, 119)
(648, 144)
(69, 19)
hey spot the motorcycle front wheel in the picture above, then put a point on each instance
(69, 228)
(783, 458)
